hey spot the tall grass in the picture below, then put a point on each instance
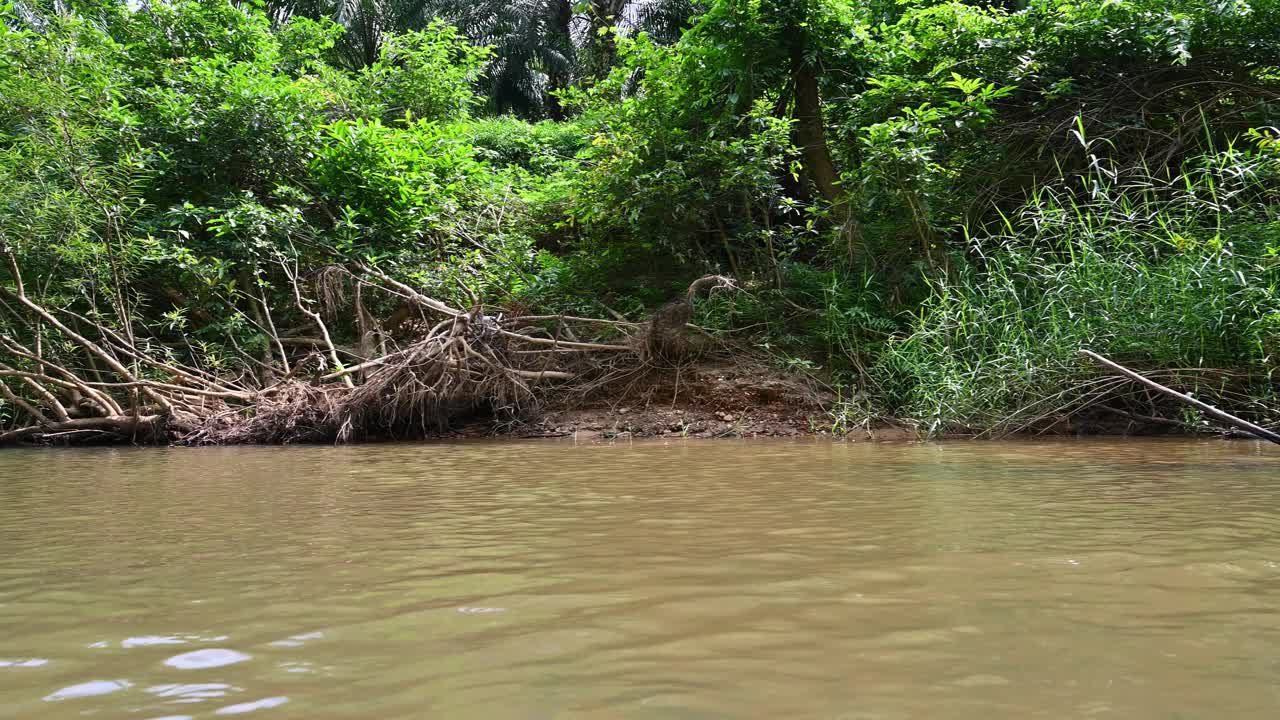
(1178, 275)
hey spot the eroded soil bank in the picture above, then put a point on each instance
(710, 400)
(752, 399)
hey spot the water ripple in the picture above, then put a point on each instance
(151, 640)
(192, 692)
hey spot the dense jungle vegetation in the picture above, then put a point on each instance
(932, 206)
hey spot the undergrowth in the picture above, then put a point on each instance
(1179, 273)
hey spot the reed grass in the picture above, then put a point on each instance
(1176, 274)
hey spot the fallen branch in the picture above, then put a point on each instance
(441, 365)
(116, 424)
(105, 403)
(572, 318)
(318, 320)
(1256, 430)
(50, 400)
(1139, 417)
(87, 344)
(566, 344)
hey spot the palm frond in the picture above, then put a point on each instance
(664, 20)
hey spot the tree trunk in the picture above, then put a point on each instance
(811, 136)
(811, 132)
(558, 80)
(605, 15)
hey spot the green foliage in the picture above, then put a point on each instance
(70, 159)
(226, 126)
(305, 44)
(397, 187)
(962, 105)
(539, 46)
(1178, 273)
(172, 165)
(424, 75)
(665, 172)
(540, 148)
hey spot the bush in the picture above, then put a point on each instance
(1178, 273)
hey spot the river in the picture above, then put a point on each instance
(723, 579)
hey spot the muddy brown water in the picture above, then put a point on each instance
(1125, 579)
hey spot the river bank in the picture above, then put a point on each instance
(709, 398)
(755, 400)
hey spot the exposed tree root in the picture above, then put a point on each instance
(449, 364)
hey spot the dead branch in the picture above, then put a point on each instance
(125, 425)
(90, 346)
(275, 334)
(319, 321)
(27, 407)
(1205, 407)
(566, 344)
(50, 400)
(448, 363)
(175, 370)
(106, 404)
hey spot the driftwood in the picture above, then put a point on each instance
(442, 364)
(1255, 430)
(666, 338)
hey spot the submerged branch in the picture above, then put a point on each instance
(131, 425)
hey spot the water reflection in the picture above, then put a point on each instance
(190, 693)
(248, 707)
(89, 689)
(800, 580)
(149, 640)
(298, 640)
(28, 663)
(204, 659)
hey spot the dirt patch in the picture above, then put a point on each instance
(706, 400)
(710, 399)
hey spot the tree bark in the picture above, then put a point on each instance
(811, 132)
(811, 136)
(557, 80)
(605, 15)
